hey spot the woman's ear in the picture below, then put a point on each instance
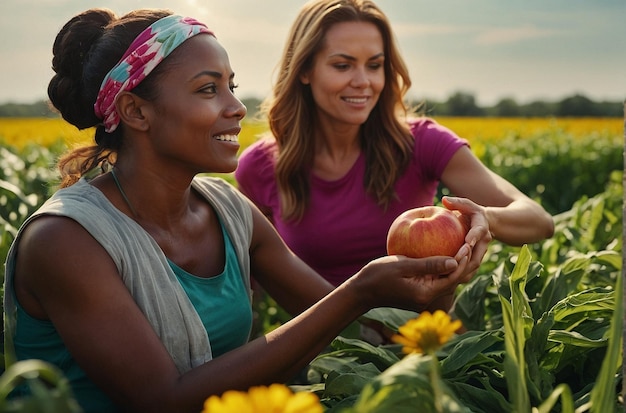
(132, 110)
(304, 78)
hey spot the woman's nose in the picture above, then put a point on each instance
(360, 78)
(237, 108)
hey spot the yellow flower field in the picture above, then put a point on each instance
(19, 132)
(490, 128)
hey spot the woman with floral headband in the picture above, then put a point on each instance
(134, 277)
(343, 161)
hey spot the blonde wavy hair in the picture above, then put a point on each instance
(385, 137)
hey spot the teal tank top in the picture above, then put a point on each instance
(221, 301)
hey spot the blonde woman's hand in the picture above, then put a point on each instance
(478, 236)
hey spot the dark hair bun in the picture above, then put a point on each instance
(70, 50)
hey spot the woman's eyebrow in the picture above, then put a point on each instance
(212, 73)
(348, 57)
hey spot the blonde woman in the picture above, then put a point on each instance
(343, 160)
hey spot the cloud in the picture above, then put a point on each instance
(416, 29)
(200, 10)
(480, 35)
(505, 35)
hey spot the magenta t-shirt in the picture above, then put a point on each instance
(344, 228)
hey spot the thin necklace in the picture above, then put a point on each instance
(119, 187)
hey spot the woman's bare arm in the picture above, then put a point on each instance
(513, 217)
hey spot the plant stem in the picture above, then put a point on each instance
(436, 383)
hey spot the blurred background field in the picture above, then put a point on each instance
(554, 160)
(551, 159)
(20, 132)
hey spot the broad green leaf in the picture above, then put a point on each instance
(467, 349)
(481, 399)
(612, 258)
(573, 338)
(472, 315)
(405, 387)
(326, 363)
(557, 287)
(594, 300)
(363, 351)
(392, 318)
(347, 382)
(596, 214)
(582, 261)
(603, 393)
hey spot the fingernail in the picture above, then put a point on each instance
(465, 249)
(450, 264)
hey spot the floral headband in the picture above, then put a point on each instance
(148, 50)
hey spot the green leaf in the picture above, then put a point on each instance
(50, 390)
(327, 363)
(392, 318)
(594, 300)
(574, 338)
(471, 315)
(567, 404)
(349, 380)
(481, 400)
(467, 349)
(612, 258)
(405, 388)
(603, 393)
(557, 287)
(362, 351)
(517, 327)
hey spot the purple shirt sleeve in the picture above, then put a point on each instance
(434, 146)
(255, 175)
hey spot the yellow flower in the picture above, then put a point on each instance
(277, 398)
(426, 333)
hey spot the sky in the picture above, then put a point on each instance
(493, 49)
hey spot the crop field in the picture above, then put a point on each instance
(22, 132)
(484, 131)
(543, 322)
(19, 132)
